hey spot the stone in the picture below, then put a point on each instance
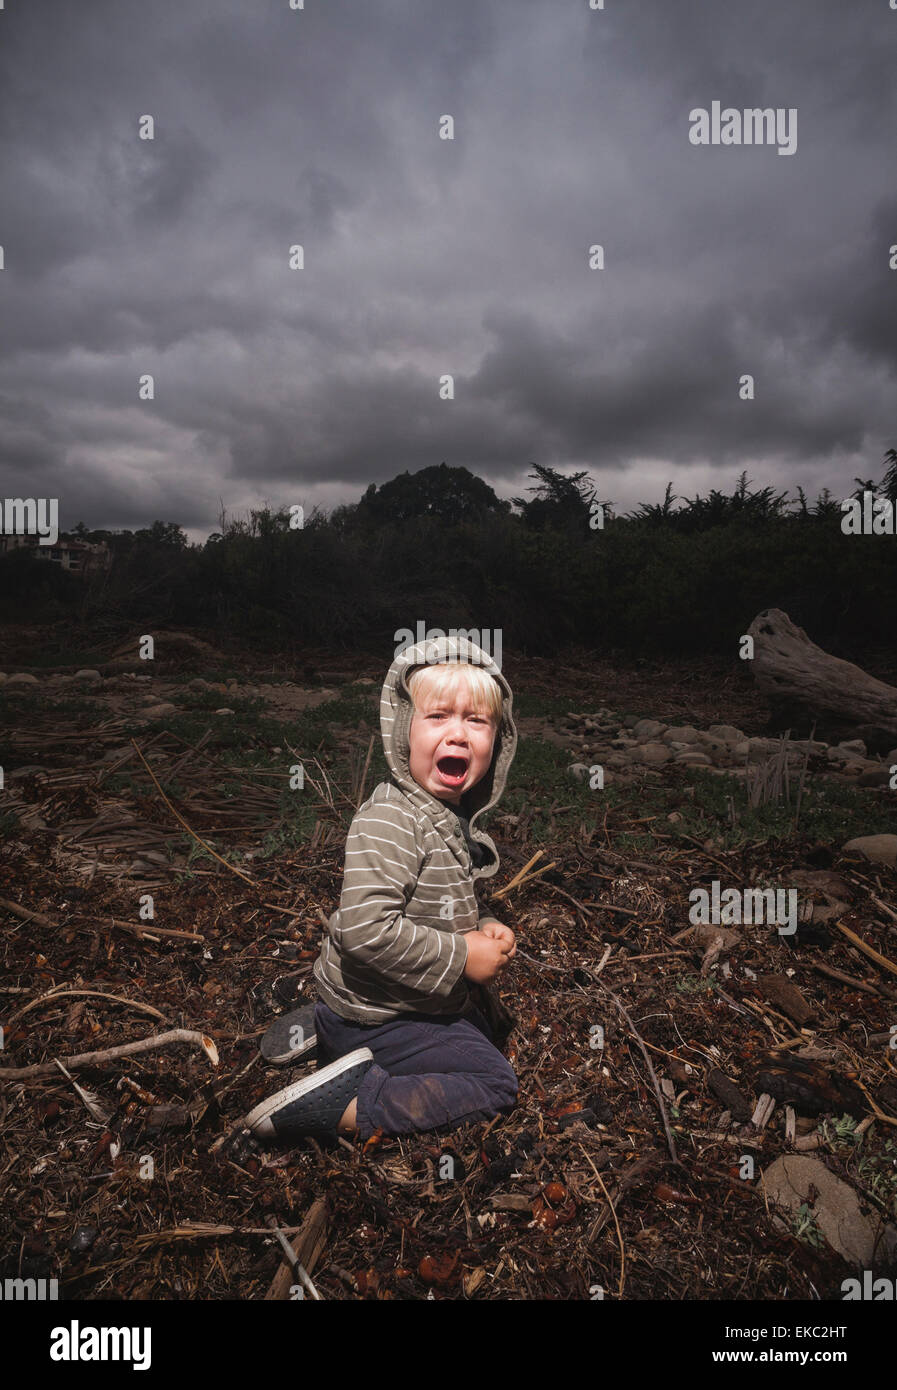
(198, 684)
(22, 678)
(858, 1237)
(879, 849)
(577, 770)
(86, 674)
(727, 732)
(647, 730)
(875, 777)
(680, 733)
(855, 746)
(694, 759)
(160, 711)
(654, 754)
(224, 710)
(3, 677)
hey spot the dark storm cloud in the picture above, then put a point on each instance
(425, 257)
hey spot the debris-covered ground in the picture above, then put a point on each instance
(704, 1113)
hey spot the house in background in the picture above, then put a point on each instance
(79, 557)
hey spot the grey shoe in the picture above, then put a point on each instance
(290, 1037)
(313, 1106)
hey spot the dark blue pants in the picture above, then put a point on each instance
(429, 1070)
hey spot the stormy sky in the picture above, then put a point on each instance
(424, 256)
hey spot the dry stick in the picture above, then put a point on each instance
(889, 910)
(180, 818)
(197, 1230)
(500, 892)
(28, 915)
(867, 950)
(616, 1223)
(87, 1059)
(298, 1269)
(844, 979)
(306, 1247)
(62, 992)
(638, 1037)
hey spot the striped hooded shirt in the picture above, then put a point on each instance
(396, 942)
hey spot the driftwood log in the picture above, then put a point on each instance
(794, 674)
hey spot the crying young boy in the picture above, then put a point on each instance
(401, 1043)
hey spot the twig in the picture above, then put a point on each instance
(64, 993)
(867, 950)
(87, 1059)
(199, 840)
(302, 1254)
(671, 1143)
(298, 1269)
(613, 1211)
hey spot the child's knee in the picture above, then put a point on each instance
(505, 1086)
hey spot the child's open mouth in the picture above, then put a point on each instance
(451, 771)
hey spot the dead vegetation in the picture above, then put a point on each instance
(654, 1063)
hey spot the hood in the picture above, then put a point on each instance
(396, 709)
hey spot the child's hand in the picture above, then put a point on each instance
(486, 956)
(499, 932)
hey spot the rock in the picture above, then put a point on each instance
(646, 730)
(875, 777)
(224, 710)
(160, 711)
(555, 739)
(823, 881)
(762, 748)
(855, 746)
(654, 754)
(680, 733)
(86, 674)
(891, 758)
(3, 677)
(198, 684)
(578, 770)
(858, 1238)
(22, 678)
(838, 754)
(674, 817)
(727, 732)
(879, 849)
(784, 995)
(694, 759)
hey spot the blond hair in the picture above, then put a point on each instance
(438, 681)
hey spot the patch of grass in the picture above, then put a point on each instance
(691, 984)
(25, 701)
(805, 1227)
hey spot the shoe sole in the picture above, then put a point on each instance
(277, 1045)
(257, 1118)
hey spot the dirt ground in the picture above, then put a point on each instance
(631, 1166)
